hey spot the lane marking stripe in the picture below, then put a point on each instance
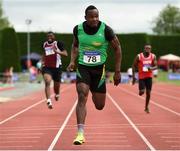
(62, 127)
(159, 105)
(131, 123)
(26, 109)
(165, 95)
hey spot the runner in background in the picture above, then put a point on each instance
(145, 62)
(51, 65)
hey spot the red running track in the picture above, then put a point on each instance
(27, 124)
(6, 88)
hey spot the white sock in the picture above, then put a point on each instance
(57, 95)
(48, 100)
(81, 128)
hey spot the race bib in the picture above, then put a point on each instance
(91, 57)
(49, 51)
(145, 68)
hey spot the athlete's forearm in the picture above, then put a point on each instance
(154, 67)
(134, 66)
(74, 54)
(118, 58)
(60, 52)
(133, 70)
(63, 53)
(117, 52)
(42, 60)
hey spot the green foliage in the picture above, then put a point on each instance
(37, 39)
(168, 21)
(9, 50)
(131, 45)
(165, 44)
(0, 50)
(4, 23)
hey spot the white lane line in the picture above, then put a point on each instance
(169, 90)
(168, 96)
(132, 124)
(26, 109)
(93, 127)
(126, 125)
(62, 127)
(151, 101)
(22, 111)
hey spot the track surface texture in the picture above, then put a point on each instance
(27, 124)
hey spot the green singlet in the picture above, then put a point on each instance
(92, 48)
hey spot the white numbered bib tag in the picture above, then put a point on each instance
(145, 68)
(49, 51)
(91, 57)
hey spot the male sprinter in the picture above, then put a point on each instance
(145, 62)
(90, 42)
(51, 65)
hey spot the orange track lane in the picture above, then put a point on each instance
(27, 124)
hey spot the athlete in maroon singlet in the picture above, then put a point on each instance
(145, 62)
(51, 65)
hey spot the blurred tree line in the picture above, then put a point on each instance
(167, 28)
(168, 21)
(3, 20)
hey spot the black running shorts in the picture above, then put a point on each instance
(94, 76)
(54, 72)
(145, 84)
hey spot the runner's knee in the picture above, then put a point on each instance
(99, 107)
(99, 100)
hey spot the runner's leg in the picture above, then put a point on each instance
(99, 100)
(47, 78)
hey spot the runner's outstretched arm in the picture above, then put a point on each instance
(118, 57)
(74, 55)
(134, 67)
(63, 53)
(154, 67)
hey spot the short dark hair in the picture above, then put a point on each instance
(50, 32)
(90, 7)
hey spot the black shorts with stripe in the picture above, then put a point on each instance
(94, 76)
(54, 72)
(145, 84)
